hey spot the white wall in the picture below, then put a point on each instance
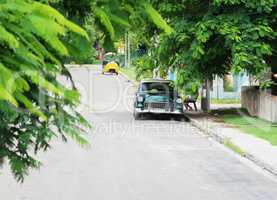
(218, 87)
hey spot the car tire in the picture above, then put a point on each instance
(137, 116)
(180, 118)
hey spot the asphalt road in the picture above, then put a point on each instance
(150, 159)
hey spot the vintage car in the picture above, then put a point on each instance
(157, 97)
(110, 64)
(111, 67)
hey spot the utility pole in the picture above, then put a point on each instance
(126, 50)
(129, 49)
(205, 96)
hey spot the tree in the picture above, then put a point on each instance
(216, 37)
(34, 106)
(111, 19)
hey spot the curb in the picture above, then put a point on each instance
(220, 139)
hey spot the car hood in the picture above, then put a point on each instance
(157, 98)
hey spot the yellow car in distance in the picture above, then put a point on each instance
(111, 67)
(110, 64)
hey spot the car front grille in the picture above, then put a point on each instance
(164, 106)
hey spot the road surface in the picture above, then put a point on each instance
(151, 159)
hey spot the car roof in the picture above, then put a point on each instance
(156, 81)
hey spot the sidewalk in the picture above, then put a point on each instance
(257, 150)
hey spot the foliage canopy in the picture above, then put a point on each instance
(216, 37)
(34, 105)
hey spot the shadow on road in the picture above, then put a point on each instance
(181, 118)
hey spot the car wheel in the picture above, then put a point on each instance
(180, 118)
(137, 116)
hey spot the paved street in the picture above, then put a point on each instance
(150, 159)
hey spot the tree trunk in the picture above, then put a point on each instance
(205, 97)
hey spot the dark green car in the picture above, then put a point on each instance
(157, 97)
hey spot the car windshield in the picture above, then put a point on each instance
(157, 88)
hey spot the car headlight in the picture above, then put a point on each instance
(179, 100)
(140, 99)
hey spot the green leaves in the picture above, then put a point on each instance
(156, 18)
(34, 106)
(30, 106)
(5, 95)
(53, 14)
(105, 20)
(257, 5)
(8, 38)
(216, 37)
